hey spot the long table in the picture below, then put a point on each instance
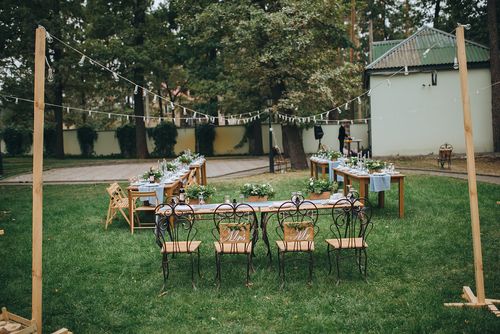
(322, 165)
(364, 181)
(267, 210)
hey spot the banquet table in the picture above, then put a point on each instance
(268, 209)
(348, 143)
(364, 181)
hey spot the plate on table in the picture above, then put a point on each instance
(279, 204)
(136, 184)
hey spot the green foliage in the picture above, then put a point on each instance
(257, 189)
(87, 135)
(165, 138)
(205, 136)
(126, 139)
(17, 139)
(195, 190)
(320, 185)
(49, 140)
(374, 164)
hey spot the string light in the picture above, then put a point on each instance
(359, 100)
(406, 70)
(67, 110)
(136, 90)
(17, 100)
(184, 111)
(369, 92)
(82, 61)
(116, 77)
(346, 106)
(388, 83)
(455, 63)
(154, 98)
(144, 92)
(48, 37)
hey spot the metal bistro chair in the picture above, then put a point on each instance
(235, 228)
(296, 228)
(175, 232)
(351, 226)
(445, 155)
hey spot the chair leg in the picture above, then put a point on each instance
(366, 261)
(337, 258)
(329, 259)
(249, 256)
(282, 269)
(192, 270)
(164, 266)
(218, 270)
(311, 267)
(199, 273)
(107, 217)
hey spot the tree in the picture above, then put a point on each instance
(493, 17)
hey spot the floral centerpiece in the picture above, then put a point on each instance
(187, 157)
(320, 188)
(327, 155)
(195, 191)
(374, 165)
(257, 192)
(154, 172)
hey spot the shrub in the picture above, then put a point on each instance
(86, 137)
(49, 139)
(165, 137)
(17, 140)
(126, 140)
(205, 135)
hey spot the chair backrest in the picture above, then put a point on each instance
(115, 193)
(351, 219)
(234, 224)
(138, 194)
(297, 220)
(175, 222)
(191, 178)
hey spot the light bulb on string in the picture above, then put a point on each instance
(154, 98)
(194, 114)
(128, 118)
(67, 110)
(346, 106)
(144, 92)
(143, 118)
(116, 77)
(90, 113)
(388, 83)
(184, 111)
(366, 121)
(50, 76)
(136, 90)
(109, 115)
(82, 61)
(17, 100)
(359, 100)
(48, 37)
(369, 92)
(172, 105)
(340, 111)
(352, 121)
(455, 63)
(406, 70)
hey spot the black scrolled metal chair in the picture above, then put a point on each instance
(351, 226)
(175, 232)
(235, 228)
(296, 228)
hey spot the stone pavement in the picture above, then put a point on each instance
(122, 172)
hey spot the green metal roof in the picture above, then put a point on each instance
(379, 48)
(427, 47)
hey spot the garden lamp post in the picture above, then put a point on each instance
(271, 153)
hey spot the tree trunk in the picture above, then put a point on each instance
(293, 146)
(255, 138)
(138, 22)
(437, 9)
(495, 73)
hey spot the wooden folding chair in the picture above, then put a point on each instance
(117, 202)
(191, 178)
(135, 195)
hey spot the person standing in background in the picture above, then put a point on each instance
(341, 137)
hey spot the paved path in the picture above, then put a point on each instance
(122, 172)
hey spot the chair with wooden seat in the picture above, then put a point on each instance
(351, 225)
(281, 163)
(235, 232)
(145, 202)
(175, 232)
(191, 179)
(296, 229)
(118, 202)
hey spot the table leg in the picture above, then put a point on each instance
(264, 219)
(334, 175)
(311, 168)
(401, 197)
(381, 199)
(131, 211)
(323, 171)
(362, 188)
(346, 182)
(315, 170)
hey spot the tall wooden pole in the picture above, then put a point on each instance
(471, 167)
(39, 106)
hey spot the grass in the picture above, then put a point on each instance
(108, 281)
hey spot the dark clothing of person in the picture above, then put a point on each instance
(341, 138)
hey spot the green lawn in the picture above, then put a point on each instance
(98, 281)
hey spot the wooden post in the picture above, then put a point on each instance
(480, 300)
(39, 106)
(471, 166)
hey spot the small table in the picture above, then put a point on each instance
(348, 143)
(323, 165)
(364, 181)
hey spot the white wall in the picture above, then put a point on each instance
(409, 119)
(330, 137)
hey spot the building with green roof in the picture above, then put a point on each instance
(415, 100)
